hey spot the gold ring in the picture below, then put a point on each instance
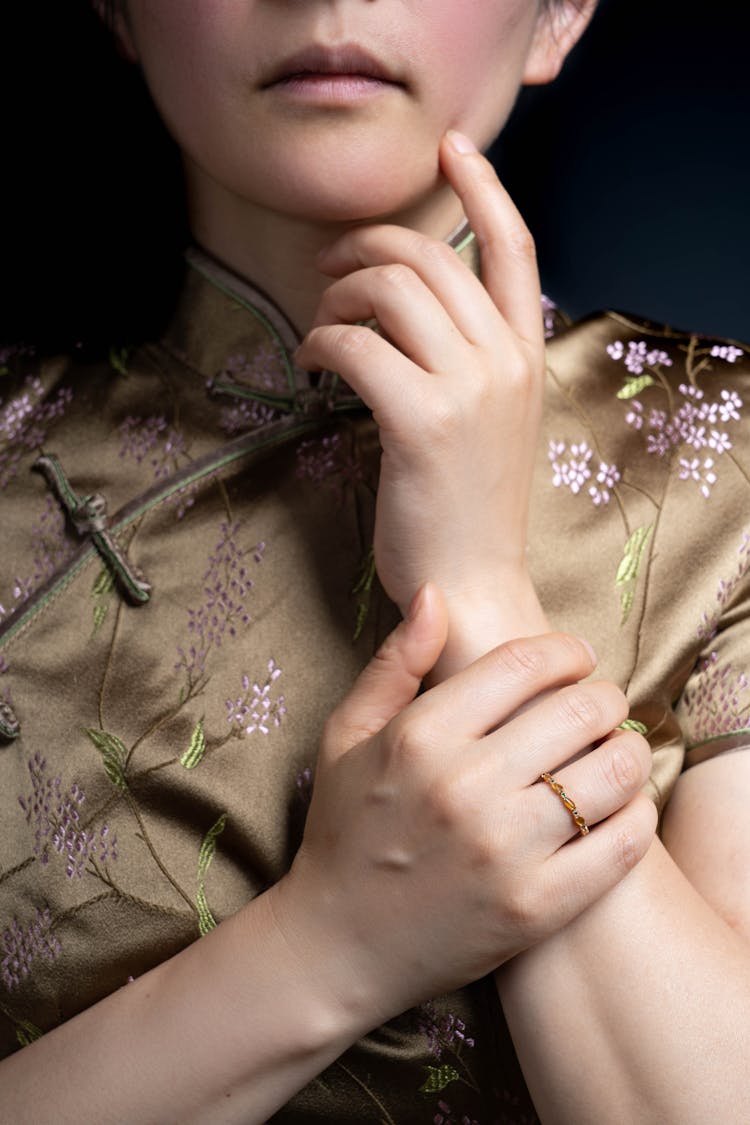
(570, 804)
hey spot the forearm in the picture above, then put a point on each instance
(228, 1030)
(638, 1011)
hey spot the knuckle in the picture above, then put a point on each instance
(635, 833)
(396, 276)
(521, 242)
(448, 801)
(522, 660)
(631, 761)
(408, 740)
(581, 709)
(346, 340)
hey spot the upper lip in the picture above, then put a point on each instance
(347, 58)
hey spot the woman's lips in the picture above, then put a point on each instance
(330, 75)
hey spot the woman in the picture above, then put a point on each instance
(169, 677)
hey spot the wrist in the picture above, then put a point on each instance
(480, 620)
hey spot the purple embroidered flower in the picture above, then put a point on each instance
(226, 586)
(717, 700)
(257, 709)
(139, 436)
(576, 470)
(142, 438)
(24, 423)
(244, 415)
(323, 461)
(263, 371)
(317, 459)
(726, 351)
(726, 590)
(634, 416)
(730, 406)
(701, 473)
(445, 1116)
(56, 819)
(638, 355)
(607, 476)
(23, 945)
(719, 442)
(444, 1033)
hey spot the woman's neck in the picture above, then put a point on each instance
(277, 252)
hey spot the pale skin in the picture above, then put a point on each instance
(596, 936)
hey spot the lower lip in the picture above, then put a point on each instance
(331, 89)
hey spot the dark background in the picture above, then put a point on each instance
(632, 170)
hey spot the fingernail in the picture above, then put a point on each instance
(589, 650)
(460, 142)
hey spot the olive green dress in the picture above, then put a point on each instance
(187, 590)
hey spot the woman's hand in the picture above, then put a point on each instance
(432, 853)
(455, 385)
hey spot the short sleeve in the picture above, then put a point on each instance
(714, 707)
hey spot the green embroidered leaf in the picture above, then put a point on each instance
(630, 563)
(206, 920)
(113, 754)
(626, 604)
(208, 847)
(438, 1077)
(196, 749)
(634, 386)
(118, 359)
(27, 1032)
(634, 724)
(104, 583)
(100, 612)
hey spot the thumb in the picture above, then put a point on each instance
(392, 678)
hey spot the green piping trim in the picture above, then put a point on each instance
(259, 316)
(466, 241)
(717, 738)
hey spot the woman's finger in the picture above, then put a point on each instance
(407, 312)
(458, 290)
(597, 785)
(545, 736)
(509, 267)
(496, 686)
(582, 871)
(392, 678)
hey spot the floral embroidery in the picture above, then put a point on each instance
(703, 473)
(263, 370)
(574, 472)
(638, 356)
(718, 702)
(257, 709)
(444, 1033)
(23, 945)
(24, 423)
(226, 585)
(727, 351)
(322, 461)
(696, 422)
(245, 415)
(445, 1116)
(56, 818)
(725, 591)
